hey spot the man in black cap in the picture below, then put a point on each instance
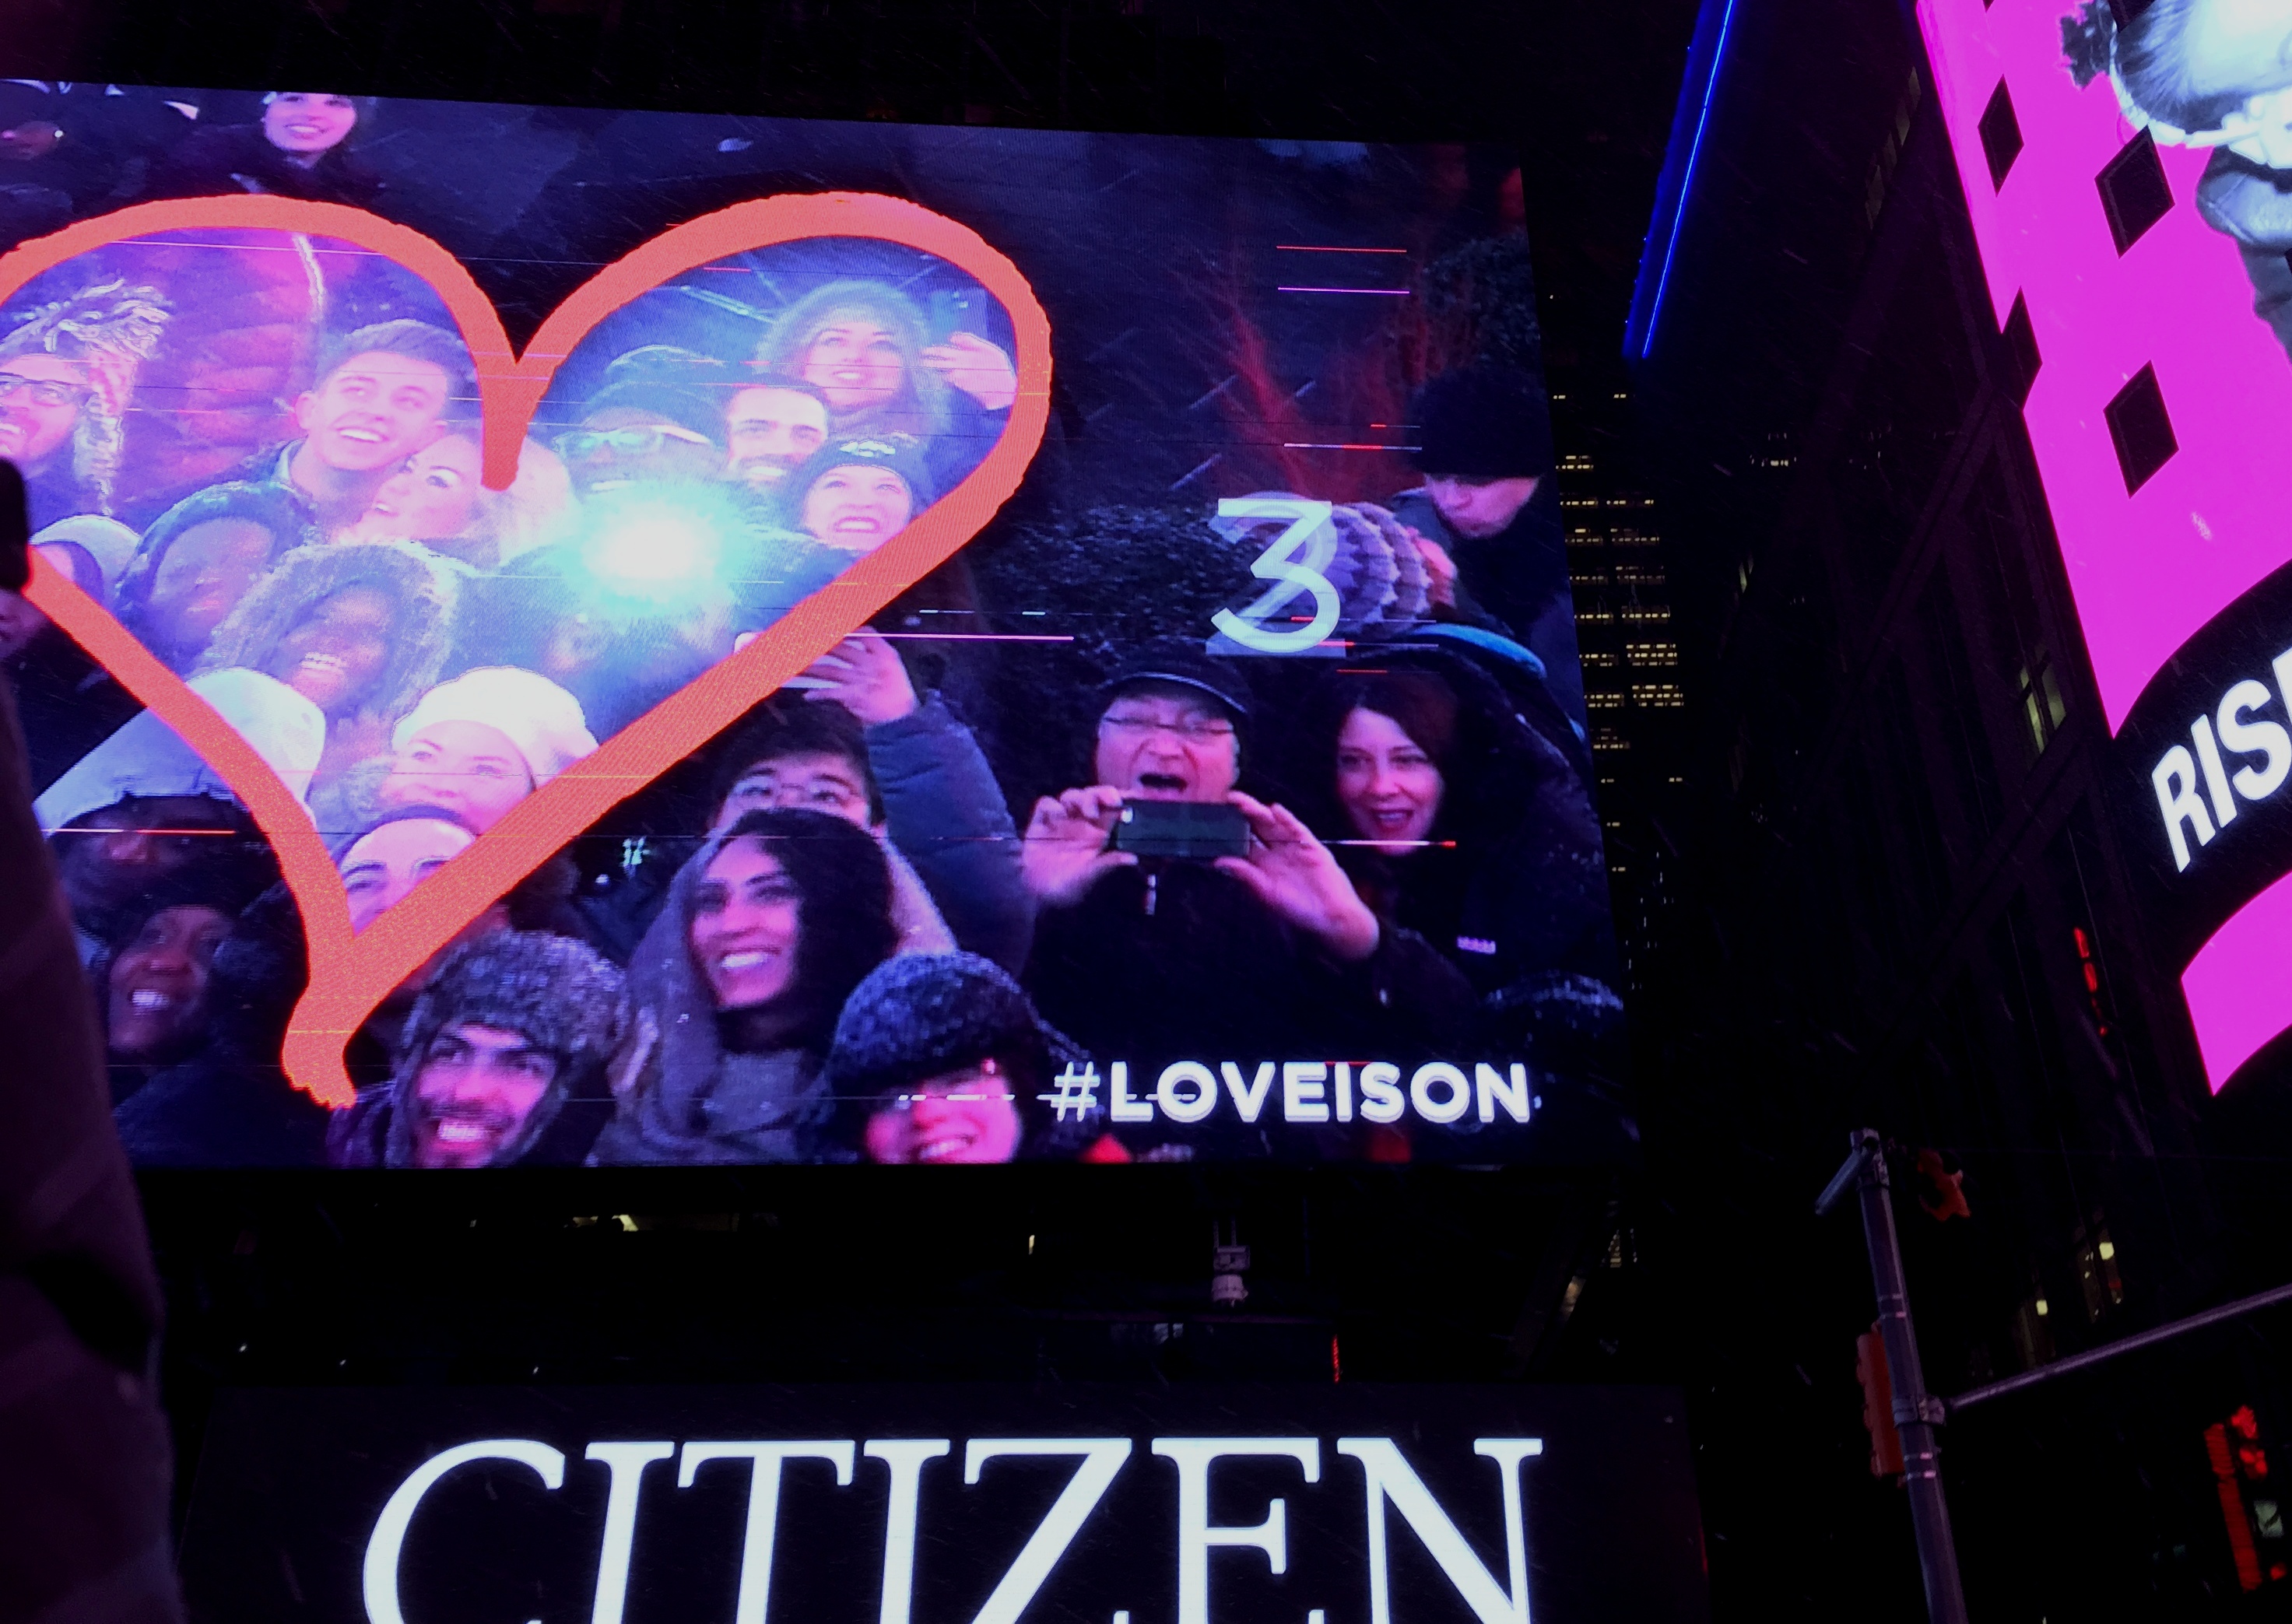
(502, 1061)
(1484, 443)
(1268, 955)
(643, 428)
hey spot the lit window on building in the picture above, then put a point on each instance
(1640, 574)
(1607, 739)
(1588, 575)
(1576, 462)
(1597, 659)
(1598, 616)
(1583, 536)
(1604, 699)
(1658, 695)
(1647, 615)
(1651, 653)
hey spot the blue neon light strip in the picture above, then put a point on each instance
(1687, 180)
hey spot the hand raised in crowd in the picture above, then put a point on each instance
(1293, 874)
(980, 369)
(865, 675)
(1439, 570)
(1064, 852)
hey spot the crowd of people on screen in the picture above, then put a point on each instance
(864, 955)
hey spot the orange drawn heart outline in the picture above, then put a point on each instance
(352, 974)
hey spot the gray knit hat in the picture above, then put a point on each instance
(552, 990)
(557, 993)
(920, 1015)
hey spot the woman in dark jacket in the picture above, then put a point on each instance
(302, 149)
(1460, 821)
(737, 988)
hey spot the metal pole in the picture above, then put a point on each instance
(1916, 1413)
(2134, 1344)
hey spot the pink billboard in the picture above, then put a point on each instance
(2128, 169)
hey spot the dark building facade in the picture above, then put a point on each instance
(1909, 907)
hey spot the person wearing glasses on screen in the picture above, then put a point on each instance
(502, 1062)
(640, 429)
(736, 987)
(66, 380)
(1151, 960)
(2218, 74)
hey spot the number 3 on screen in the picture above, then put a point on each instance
(1295, 564)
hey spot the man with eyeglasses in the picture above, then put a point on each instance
(643, 429)
(1270, 955)
(40, 400)
(66, 374)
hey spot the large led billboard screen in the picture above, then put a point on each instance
(565, 637)
(2127, 167)
(1356, 1505)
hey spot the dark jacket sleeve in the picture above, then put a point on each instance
(945, 813)
(1404, 1001)
(83, 1494)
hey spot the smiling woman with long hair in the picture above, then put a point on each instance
(1459, 821)
(737, 986)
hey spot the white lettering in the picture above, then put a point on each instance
(389, 1537)
(1390, 1478)
(1193, 1457)
(1248, 1098)
(2216, 774)
(1102, 1458)
(1345, 1091)
(1120, 1106)
(764, 1504)
(2175, 777)
(1492, 1086)
(1303, 1096)
(1195, 1106)
(626, 1463)
(1420, 1093)
(1382, 1101)
(905, 1457)
(2240, 737)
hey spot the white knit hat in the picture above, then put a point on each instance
(541, 719)
(110, 544)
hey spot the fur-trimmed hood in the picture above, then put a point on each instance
(922, 407)
(424, 588)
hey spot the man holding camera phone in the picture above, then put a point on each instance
(1149, 949)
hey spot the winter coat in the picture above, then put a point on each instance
(231, 1104)
(83, 1496)
(230, 159)
(1170, 960)
(945, 814)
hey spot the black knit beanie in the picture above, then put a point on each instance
(922, 1014)
(1484, 423)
